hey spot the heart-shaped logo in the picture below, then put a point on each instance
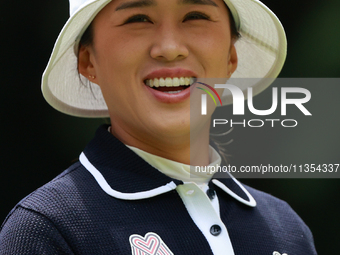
(151, 244)
(278, 253)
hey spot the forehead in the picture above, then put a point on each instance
(126, 4)
(118, 6)
(117, 10)
(145, 3)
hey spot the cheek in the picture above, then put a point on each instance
(117, 64)
(120, 51)
(213, 47)
(115, 60)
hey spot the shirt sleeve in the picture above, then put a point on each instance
(28, 232)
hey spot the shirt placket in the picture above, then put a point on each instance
(205, 214)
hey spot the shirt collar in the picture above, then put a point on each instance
(121, 173)
(179, 171)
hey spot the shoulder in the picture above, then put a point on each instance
(272, 224)
(28, 232)
(61, 192)
(54, 193)
(32, 225)
(274, 207)
(281, 219)
(62, 198)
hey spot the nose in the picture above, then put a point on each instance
(169, 44)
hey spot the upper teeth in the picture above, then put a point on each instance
(170, 82)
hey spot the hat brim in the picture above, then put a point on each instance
(261, 54)
(261, 50)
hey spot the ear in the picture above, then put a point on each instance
(85, 65)
(233, 59)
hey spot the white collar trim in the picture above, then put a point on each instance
(126, 196)
(157, 191)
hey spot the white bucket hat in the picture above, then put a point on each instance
(261, 54)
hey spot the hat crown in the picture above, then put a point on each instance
(76, 4)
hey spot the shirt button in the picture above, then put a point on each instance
(211, 194)
(215, 230)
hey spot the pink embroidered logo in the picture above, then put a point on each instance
(278, 253)
(151, 244)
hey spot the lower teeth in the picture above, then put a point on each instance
(173, 92)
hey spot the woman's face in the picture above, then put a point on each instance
(143, 41)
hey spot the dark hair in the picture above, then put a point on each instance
(233, 29)
(87, 37)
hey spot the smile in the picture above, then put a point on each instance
(170, 85)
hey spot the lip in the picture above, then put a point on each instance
(171, 73)
(169, 98)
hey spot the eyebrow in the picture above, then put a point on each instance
(200, 2)
(136, 4)
(148, 3)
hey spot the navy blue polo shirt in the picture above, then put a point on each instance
(139, 211)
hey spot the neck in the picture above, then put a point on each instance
(191, 148)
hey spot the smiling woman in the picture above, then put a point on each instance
(147, 45)
(131, 191)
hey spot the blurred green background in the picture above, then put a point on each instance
(38, 142)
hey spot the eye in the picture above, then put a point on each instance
(140, 18)
(196, 16)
